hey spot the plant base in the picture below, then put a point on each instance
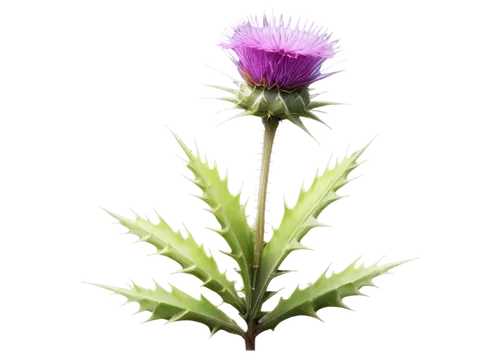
(250, 341)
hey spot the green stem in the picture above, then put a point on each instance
(270, 125)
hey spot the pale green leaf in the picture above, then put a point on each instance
(177, 306)
(297, 221)
(325, 292)
(191, 256)
(228, 211)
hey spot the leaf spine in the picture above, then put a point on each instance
(188, 269)
(178, 316)
(144, 238)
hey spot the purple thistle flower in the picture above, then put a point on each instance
(278, 63)
(275, 55)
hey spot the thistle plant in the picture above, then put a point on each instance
(278, 62)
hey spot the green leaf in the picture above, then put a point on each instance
(177, 306)
(297, 222)
(325, 292)
(228, 211)
(191, 256)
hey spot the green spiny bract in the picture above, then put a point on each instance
(273, 103)
(270, 102)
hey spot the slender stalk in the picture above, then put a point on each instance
(270, 125)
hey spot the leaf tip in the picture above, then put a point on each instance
(86, 283)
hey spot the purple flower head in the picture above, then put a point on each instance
(275, 55)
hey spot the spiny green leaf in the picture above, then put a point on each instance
(228, 211)
(325, 292)
(297, 221)
(177, 306)
(191, 256)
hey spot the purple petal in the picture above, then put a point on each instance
(276, 55)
